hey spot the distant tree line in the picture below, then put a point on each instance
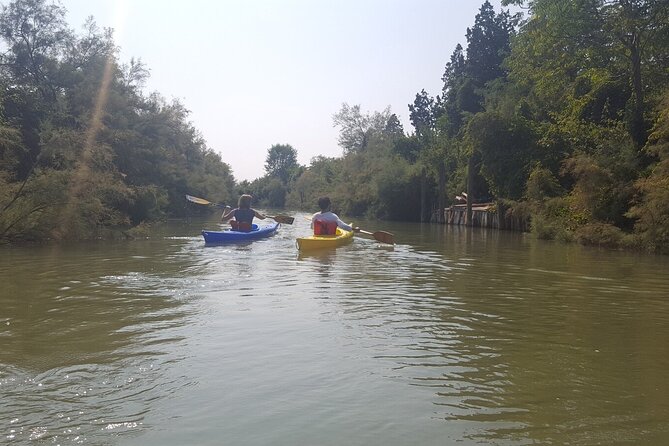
(83, 152)
(560, 118)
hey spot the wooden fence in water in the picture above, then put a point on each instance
(484, 215)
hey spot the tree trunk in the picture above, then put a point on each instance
(470, 189)
(442, 192)
(637, 126)
(501, 211)
(423, 195)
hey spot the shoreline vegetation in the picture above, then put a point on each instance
(559, 117)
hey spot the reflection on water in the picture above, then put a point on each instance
(450, 336)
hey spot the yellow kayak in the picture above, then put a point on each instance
(325, 241)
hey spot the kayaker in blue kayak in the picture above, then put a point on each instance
(243, 214)
(326, 222)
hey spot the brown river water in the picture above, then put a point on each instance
(452, 336)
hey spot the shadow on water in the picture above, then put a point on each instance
(323, 256)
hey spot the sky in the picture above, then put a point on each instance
(255, 73)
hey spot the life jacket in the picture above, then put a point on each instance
(244, 215)
(243, 220)
(241, 226)
(325, 227)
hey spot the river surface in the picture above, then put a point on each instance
(453, 336)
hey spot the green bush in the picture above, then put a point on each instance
(599, 234)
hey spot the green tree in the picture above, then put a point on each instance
(639, 27)
(275, 191)
(423, 114)
(467, 83)
(454, 77)
(651, 210)
(394, 127)
(316, 180)
(617, 39)
(356, 128)
(488, 44)
(281, 162)
(86, 151)
(36, 36)
(506, 148)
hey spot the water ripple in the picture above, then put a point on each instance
(448, 336)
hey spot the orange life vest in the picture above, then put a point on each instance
(325, 227)
(242, 226)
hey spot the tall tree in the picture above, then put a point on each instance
(620, 39)
(281, 161)
(357, 128)
(394, 128)
(423, 114)
(488, 44)
(37, 36)
(641, 30)
(453, 78)
(83, 149)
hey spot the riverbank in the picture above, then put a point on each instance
(495, 216)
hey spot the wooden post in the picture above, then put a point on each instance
(470, 186)
(423, 196)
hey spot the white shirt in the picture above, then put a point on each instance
(329, 216)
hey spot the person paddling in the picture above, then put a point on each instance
(326, 222)
(243, 214)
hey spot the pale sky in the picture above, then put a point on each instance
(255, 73)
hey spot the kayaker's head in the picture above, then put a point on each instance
(244, 202)
(324, 203)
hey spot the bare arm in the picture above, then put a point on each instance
(228, 213)
(259, 215)
(343, 225)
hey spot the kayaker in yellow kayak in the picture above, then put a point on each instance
(243, 214)
(326, 222)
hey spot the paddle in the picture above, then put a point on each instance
(381, 236)
(203, 201)
(284, 219)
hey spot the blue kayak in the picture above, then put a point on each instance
(230, 236)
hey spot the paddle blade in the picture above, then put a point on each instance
(381, 236)
(198, 200)
(384, 237)
(284, 219)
